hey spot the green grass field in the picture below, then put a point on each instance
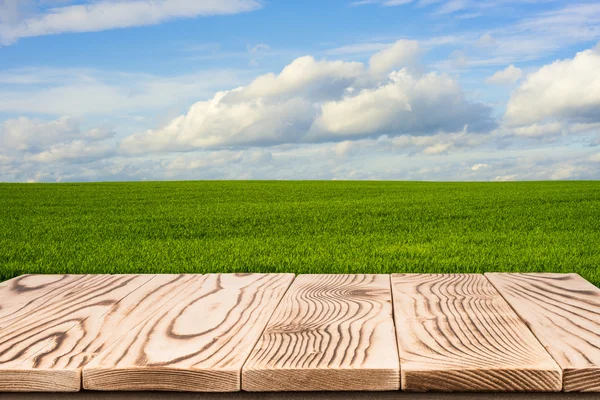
(302, 227)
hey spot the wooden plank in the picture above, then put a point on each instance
(21, 296)
(457, 333)
(101, 328)
(36, 350)
(563, 311)
(197, 342)
(330, 332)
(59, 298)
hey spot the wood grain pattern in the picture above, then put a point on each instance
(563, 311)
(43, 351)
(197, 342)
(457, 333)
(330, 332)
(21, 296)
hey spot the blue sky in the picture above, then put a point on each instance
(251, 89)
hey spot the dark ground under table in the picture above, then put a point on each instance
(88, 395)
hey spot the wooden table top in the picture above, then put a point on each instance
(498, 332)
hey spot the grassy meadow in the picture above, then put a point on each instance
(301, 227)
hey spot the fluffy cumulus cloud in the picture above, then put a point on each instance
(509, 75)
(26, 18)
(317, 100)
(404, 104)
(564, 90)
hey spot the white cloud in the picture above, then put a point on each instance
(392, 3)
(215, 123)
(404, 104)
(567, 89)
(452, 6)
(477, 167)
(357, 48)
(304, 76)
(438, 148)
(401, 54)
(505, 178)
(548, 131)
(371, 47)
(545, 33)
(570, 19)
(26, 134)
(509, 75)
(346, 148)
(565, 172)
(314, 101)
(225, 158)
(535, 36)
(79, 92)
(486, 40)
(107, 14)
(399, 158)
(258, 47)
(74, 152)
(540, 130)
(459, 59)
(385, 3)
(60, 140)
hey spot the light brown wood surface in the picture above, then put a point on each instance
(330, 332)
(198, 341)
(563, 311)
(456, 333)
(226, 332)
(21, 296)
(36, 350)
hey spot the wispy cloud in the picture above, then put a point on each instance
(533, 35)
(530, 38)
(357, 48)
(23, 19)
(369, 47)
(385, 3)
(75, 91)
